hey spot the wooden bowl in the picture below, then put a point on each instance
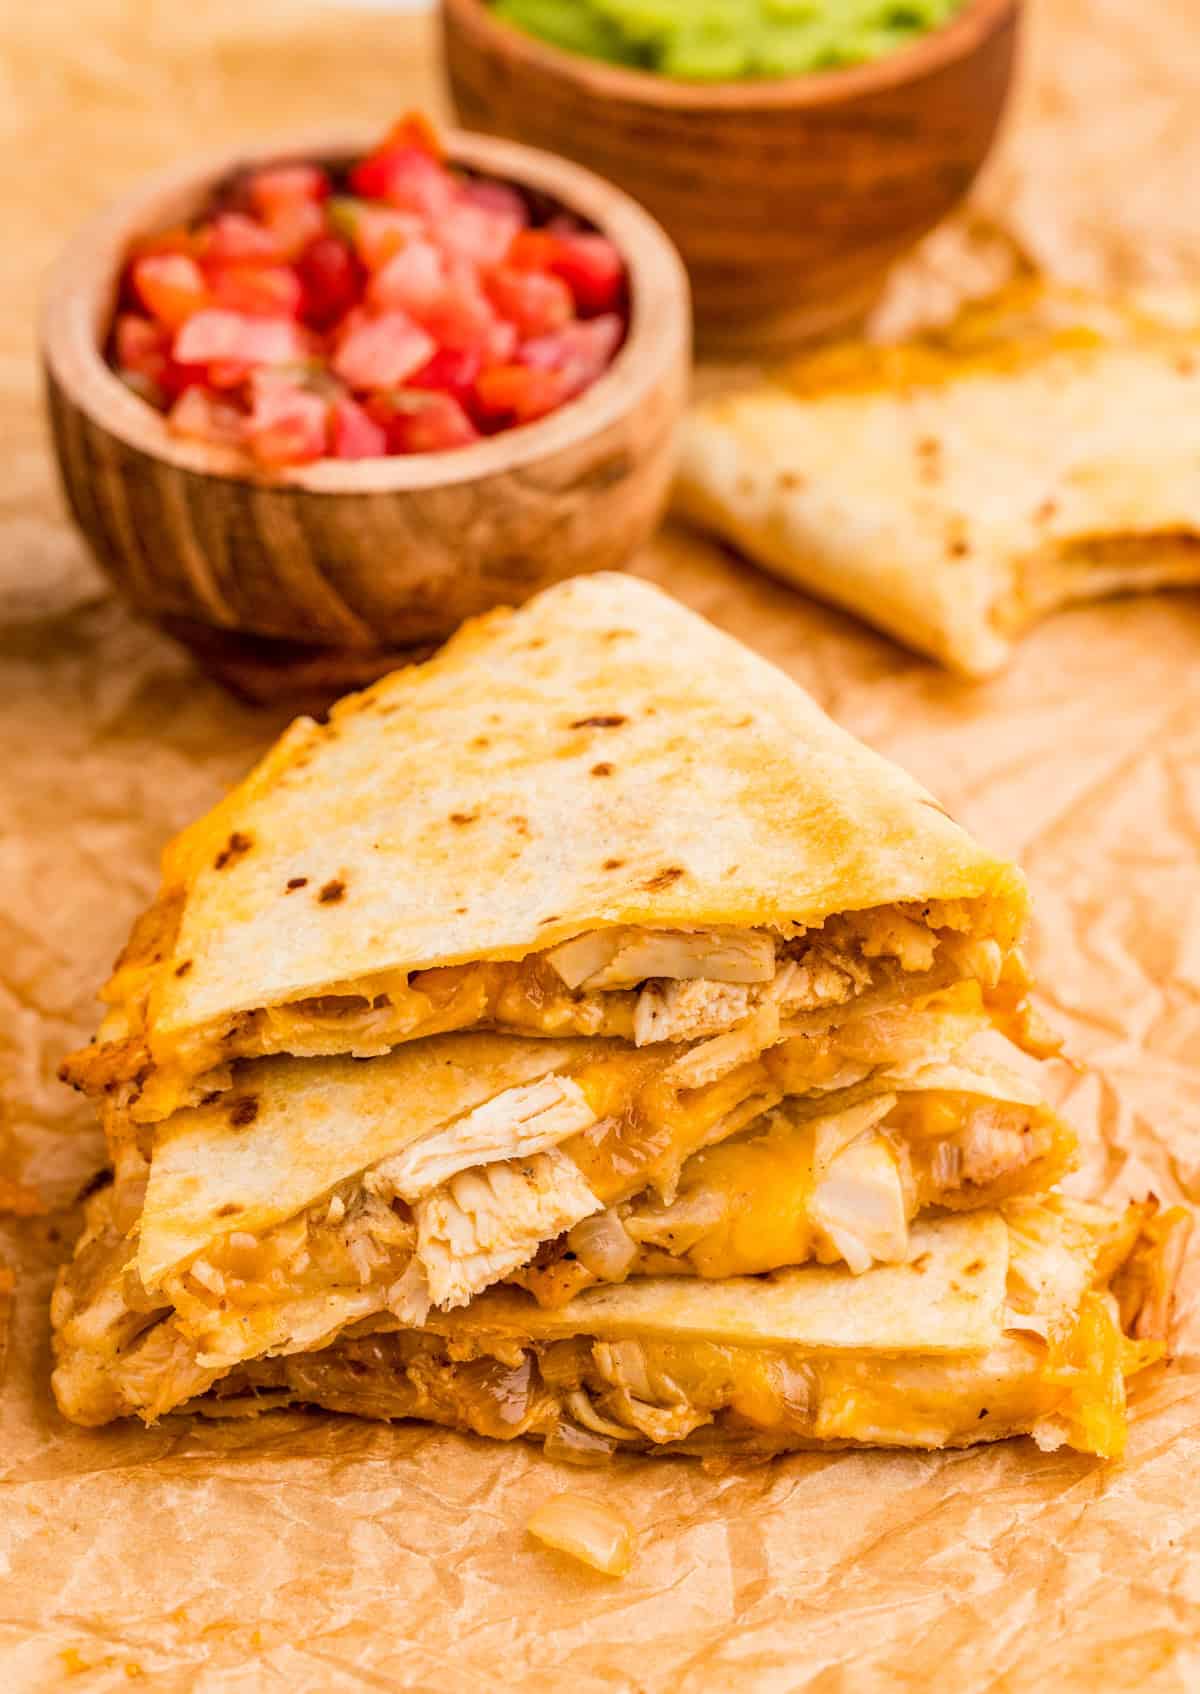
(349, 563)
(788, 199)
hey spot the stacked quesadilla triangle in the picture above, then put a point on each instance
(579, 998)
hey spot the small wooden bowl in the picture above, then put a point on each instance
(788, 199)
(352, 563)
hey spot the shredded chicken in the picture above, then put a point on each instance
(485, 1223)
(715, 1059)
(861, 1207)
(688, 1011)
(515, 1124)
(621, 958)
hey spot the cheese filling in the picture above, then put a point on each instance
(587, 1399)
(635, 984)
(839, 1189)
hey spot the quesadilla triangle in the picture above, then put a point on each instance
(1027, 1319)
(322, 1192)
(955, 489)
(593, 816)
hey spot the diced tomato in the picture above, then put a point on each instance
(593, 270)
(404, 317)
(142, 346)
(413, 280)
(171, 287)
(376, 232)
(287, 425)
(415, 130)
(478, 234)
(419, 422)
(353, 434)
(495, 197)
(518, 393)
(199, 414)
(225, 373)
(590, 265)
(533, 250)
(382, 351)
(405, 177)
(179, 239)
(281, 186)
(272, 291)
(580, 351)
(232, 238)
(294, 226)
(176, 379)
(218, 337)
(332, 279)
(462, 316)
(451, 371)
(534, 301)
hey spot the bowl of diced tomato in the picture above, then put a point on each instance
(341, 393)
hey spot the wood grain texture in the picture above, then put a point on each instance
(372, 556)
(789, 200)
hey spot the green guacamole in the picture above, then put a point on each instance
(727, 40)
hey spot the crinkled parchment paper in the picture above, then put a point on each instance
(312, 1554)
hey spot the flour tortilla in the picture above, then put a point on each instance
(954, 490)
(600, 757)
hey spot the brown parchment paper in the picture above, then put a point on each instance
(308, 1553)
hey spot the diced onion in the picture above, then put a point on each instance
(586, 1530)
(577, 1446)
(602, 1246)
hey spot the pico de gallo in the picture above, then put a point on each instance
(402, 305)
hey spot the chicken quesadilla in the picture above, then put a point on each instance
(955, 489)
(1025, 1319)
(594, 816)
(580, 1037)
(414, 1181)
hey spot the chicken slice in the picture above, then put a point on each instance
(513, 1125)
(622, 958)
(861, 1205)
(688, 1010)
(484, 1223)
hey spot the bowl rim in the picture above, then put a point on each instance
(958, 37)
(80, 298)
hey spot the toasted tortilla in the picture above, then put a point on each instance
(293, 1128)
(600, 758)
(948, 1298)
(264, 1182)
(1000, 1323)
(955, 489)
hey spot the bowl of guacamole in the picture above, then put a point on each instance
(728, 40)
(793, 149)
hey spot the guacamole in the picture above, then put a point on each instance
(727, 40)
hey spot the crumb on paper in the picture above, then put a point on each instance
(585, 1530)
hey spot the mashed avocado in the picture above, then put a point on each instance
(723, 40)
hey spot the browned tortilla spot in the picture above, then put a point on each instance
(605, 720)
(237, 845)
(332, 892)
(243, 1111)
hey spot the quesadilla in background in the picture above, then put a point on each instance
(323, 1192)
(955, 489)
(1026, 1319)
(593, 816)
